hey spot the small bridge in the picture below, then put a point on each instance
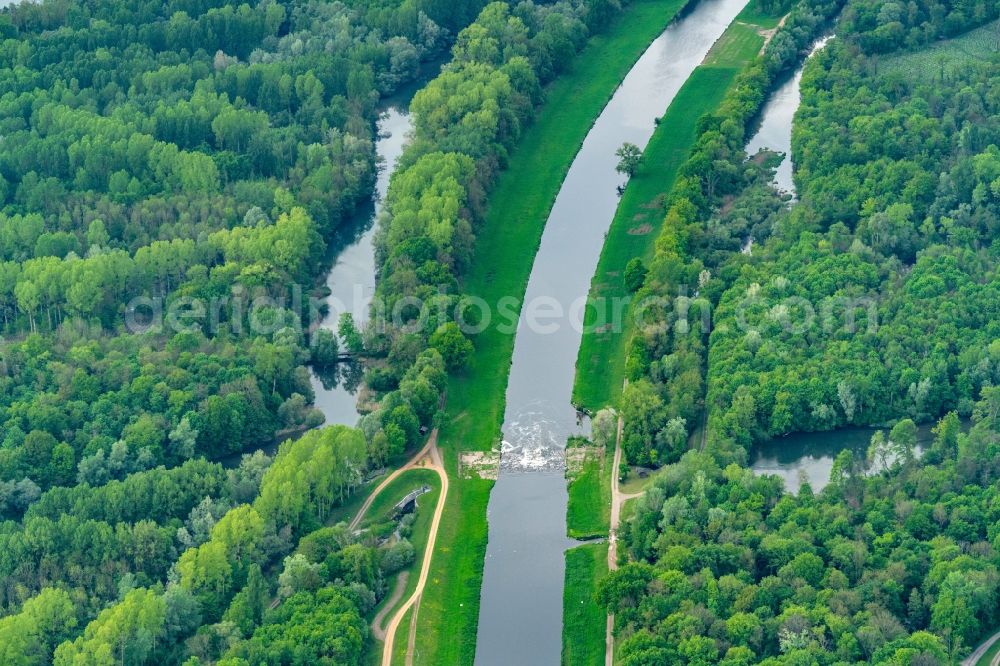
(409, 503)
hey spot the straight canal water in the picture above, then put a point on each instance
(520, 620)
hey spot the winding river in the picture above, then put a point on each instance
(806, 455)
(520, 619)
(809, 455)
(775, 132)
(351, 279)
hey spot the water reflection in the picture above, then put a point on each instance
(775, 132)
(811, 454)
(347, 375)
(351, 279)
(351, 285)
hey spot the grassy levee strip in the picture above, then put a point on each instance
(505, 248)
(583, 618)
(600, 366)
(588, 512)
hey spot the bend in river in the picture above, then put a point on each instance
(520, 619)
(809, 456)
(775, 131)
(351, 281)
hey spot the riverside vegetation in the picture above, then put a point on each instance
(213, 162)
(203, 150)
(174, 152)
(895, 561)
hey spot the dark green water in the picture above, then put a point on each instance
(813, 453)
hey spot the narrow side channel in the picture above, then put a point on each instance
(351, 278)
(775, 131)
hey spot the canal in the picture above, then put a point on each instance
(520, 619)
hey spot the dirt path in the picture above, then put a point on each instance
(618, 499)
(431, 460)
(704, 429)
(411, 639)
(769, 34)
(397, 594)
(983, 648)
(410, 464)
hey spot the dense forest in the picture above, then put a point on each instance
(868, 300)
(234, 163)
(173, 153)
(465, 122)
(826, 323)
(158, 156)
(896, 567)
(166, 166)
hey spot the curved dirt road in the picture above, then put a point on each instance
(410, 464)
(983, 648)
(432, 460)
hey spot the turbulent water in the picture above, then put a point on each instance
(520, 619)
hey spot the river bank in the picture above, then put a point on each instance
(601, 361)
(350, 281)
(518, 206)
(636, 224)
(522, 590)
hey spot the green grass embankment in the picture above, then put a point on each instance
(588, 512)
(600, 367)
(505, 248)
(378, 512)
(584, 621)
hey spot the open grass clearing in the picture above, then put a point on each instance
(948, 56)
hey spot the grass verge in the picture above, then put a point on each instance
(588, 513)
(408, 481)
(394, 492)
(600, 366)
(584, 621)
(505, 250)
(400, 646)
